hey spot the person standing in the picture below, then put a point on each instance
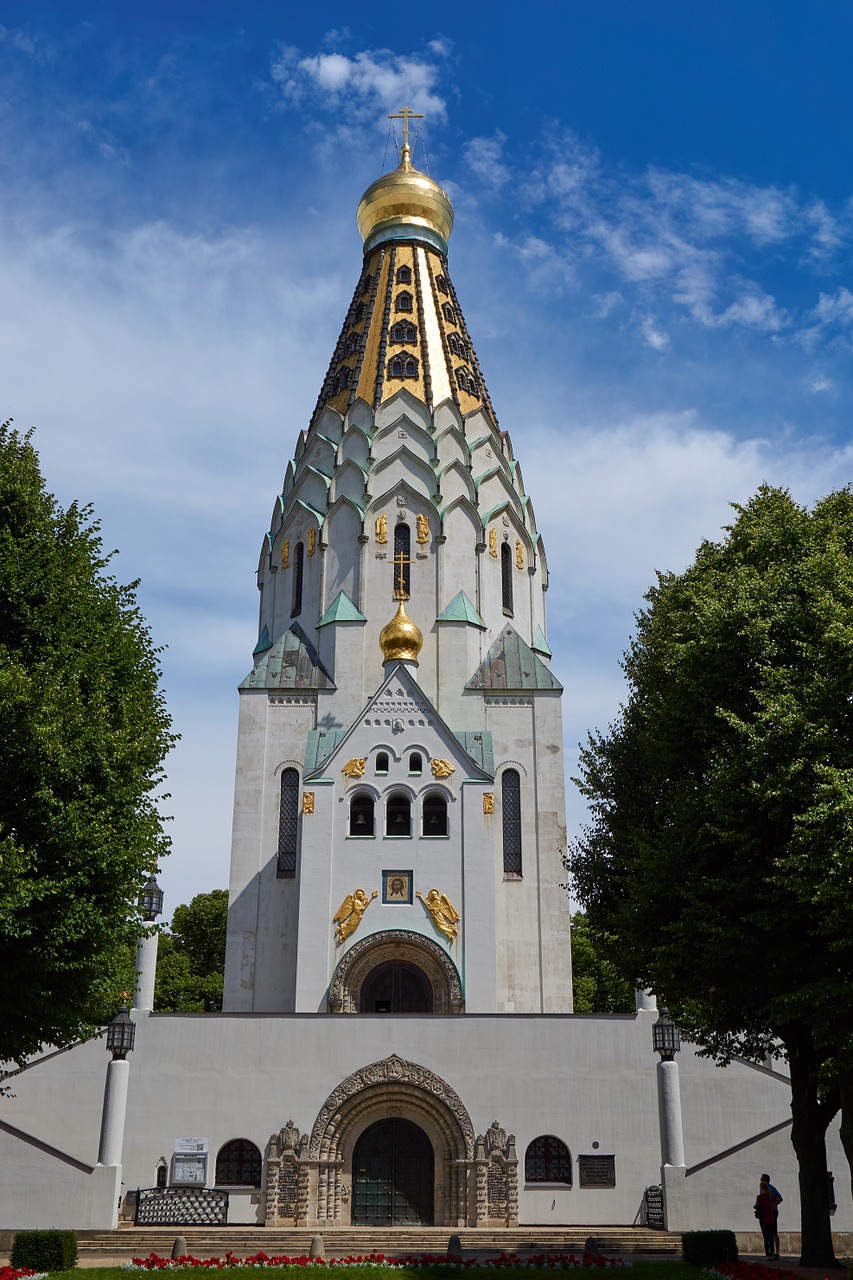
(765, 1212)
(777, 1200)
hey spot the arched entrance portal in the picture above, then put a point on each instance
(399, 947)
(396, 987)
(393, 1176)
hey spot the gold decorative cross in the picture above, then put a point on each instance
(405, 114)
(399, 563)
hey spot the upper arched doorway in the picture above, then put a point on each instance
(415, 954)
(393, 1176)
(396, 987)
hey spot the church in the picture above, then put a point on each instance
(397, 1045)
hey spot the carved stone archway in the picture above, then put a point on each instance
(401, 945)
(309, 1178)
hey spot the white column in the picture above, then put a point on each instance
(669, 1113)
(146, 970)
(115, 1106)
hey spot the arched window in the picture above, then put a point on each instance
(511, 814)
(298, 557)
(441, 284)
(238, 1164)
(382, 762)
(547, 1159)
(506, 578)
(435, 815)
(404, 331)
(352, 342)
(398, 815)
(403, 546)
(403, 366)
(366, 282)
(457, 344)
(358, 314)
(404, 301)
(448, 312)
(416, 762)
(361, 814)
(288, 824)
(466, 380)
(404, 275)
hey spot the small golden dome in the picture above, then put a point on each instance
(401, 640)
(405, 205)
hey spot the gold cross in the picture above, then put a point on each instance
(399, 563)
(405, 114)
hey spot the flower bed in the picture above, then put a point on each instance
(751, 1271)
(538, 1262)
(13, 1273)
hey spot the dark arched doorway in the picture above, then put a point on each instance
(396, 987)
(393, 1175)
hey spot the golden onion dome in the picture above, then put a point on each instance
(400, 640)
(405, 205)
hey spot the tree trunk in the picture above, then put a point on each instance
(808, 1135)
(845, 1084)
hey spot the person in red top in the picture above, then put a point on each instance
(765, 1212)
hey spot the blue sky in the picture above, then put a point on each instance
(652, 249)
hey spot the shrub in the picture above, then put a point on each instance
(44, 1250)
(708, 1248)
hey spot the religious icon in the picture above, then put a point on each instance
(445, 917)
(381, 528)
(423, 528)
(519, 554)
(355, 768)
(347, 918)
(488, 802)
(312, 539)
(307, 801)
(441, 768)
(285, 553)
(493, 542)
(397, 886)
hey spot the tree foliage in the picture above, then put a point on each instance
(85, 733)
(597, 984)
(720, 851)
(191, 957)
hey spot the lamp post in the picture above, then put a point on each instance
(666, 1041)
(121, 1033)
(150, 904)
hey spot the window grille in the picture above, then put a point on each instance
(506, 578)
(511, 814)
(548, 1160)
(403, 545)
(298, 557)
(238, 1164)
(288, 824)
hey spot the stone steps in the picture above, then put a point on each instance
(103, 1247)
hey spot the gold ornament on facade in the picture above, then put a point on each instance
(382, 529)
(441, 768)
(400, 640)
(488, 802)
(445, 917)
(347, 918)
(307, 801)
(423, 528)
(493, 542)
(285, 553)
(519, 554)
(312, 540)
(355, 768)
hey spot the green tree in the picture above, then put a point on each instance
(85, 733)
(720, 850)
(597, 984)
(191, 957)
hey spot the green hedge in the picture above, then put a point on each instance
(44, 1250)
(707, 1248)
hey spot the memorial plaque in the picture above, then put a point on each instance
(597, 1171)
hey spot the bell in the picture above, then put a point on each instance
(360, 821)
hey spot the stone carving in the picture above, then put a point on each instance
(287, 1178)
(493, 542)
(392, 1070)
(402, 500)
(400, 944)
(348, 915)
(355, 768)
(307, 801)
(519, 554)
(488, 802)
(285, 553)
(441, 768)
(312, 540)
(497, 1176)
(381, 528)
(423, 528)
(445, 917)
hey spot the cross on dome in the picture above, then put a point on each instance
(405, 114)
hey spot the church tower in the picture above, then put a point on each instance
(400, 800)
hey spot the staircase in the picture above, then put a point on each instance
(106, 1248)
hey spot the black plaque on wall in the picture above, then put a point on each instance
(597, 1171)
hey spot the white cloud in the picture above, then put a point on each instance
(653, 335)
(820, 383)
(484, 157)
(369, 80)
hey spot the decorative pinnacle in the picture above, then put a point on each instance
(405, 114)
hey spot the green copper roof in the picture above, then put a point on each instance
(264, 641)
(291, 663)
(320, 745)
(479, 746)
(540, 644)
(341, 609)
(512, 664)
(461, 609)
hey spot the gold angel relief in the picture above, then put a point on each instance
(423, 528)
(347, 918)
(445, 917)
(285, 553)
(441, 768)
(312, 540)
(381, 529)
(493, 542)
(355, 768)
(519, 554)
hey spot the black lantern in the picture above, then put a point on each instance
(120, 1034)
(151, 900)
(666, 1038)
